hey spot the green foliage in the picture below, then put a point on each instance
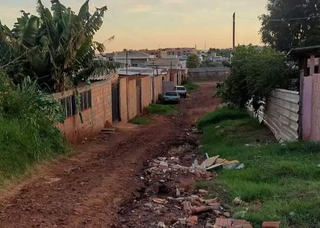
(208, 63)
(193, 61)
(28, 132)
(190, 86)
(221, 115)
(161, 109)
(55, 48)
(140, 120)
(161, 98)
(279, 182)
(283, 32)
(226, 64)
(254, 74)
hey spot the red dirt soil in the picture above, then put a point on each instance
(87, 189)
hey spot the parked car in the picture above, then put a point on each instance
(182, 91)
(172, 97)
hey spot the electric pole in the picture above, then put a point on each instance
(126, 62)
(234, 31)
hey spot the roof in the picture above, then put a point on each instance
(132, 55)
(305, 51)
(101, 76)
(164, 62)
(132, 71)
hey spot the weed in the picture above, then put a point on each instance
(139, 120)
(162, 109)
(279, 182)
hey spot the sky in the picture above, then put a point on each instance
(153, 24)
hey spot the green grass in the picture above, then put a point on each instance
(23, 144)
(162, 109)
(280, 182)
(140, 120)
(190, 86)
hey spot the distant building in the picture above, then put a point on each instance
(165, 63)
(180, 51)
(133, 58)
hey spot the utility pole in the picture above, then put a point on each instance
(126, 62)
(234, 31)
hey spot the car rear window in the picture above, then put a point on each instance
(171, 94)
(181, 88)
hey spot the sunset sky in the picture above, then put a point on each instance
(139, 24)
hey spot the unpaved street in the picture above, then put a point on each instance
(97, 186)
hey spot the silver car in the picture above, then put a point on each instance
(181, 90)
(172, 97)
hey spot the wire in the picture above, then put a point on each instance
(284, 19)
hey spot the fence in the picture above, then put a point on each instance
(209, 73)
(281, 114)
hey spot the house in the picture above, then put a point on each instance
(132, 58)
(180, 51)
(308, 58)
(166, 63)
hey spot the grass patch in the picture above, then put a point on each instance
(190, 86)
(28, 132)
(280, 182)
(162, 109)
(140, 120)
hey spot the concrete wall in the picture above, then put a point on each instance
(167, 87)
(209, 73)
(157, 87)
(94, 118)
(146, 91)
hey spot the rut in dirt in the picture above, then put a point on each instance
(88, 189)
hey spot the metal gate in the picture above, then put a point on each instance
(115, 103)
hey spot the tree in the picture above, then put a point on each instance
(55, 48)
(254, 74)
(193, 61)
(291, 23)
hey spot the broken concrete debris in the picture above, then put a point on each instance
(214, 162)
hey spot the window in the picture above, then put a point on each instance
(85, 100)
(69, 106)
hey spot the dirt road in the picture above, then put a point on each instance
(89, 189)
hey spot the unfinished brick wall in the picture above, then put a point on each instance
(132, 98)
(157, 88)
(94, 118)
(146, 92)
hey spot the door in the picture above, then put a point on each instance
(115, 103)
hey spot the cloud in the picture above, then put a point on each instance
(140, 8)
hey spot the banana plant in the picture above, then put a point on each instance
(56, 48)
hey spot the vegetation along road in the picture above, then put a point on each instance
(88, 189)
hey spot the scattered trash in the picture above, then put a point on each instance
(216, 161)
(203, 192)
(271, 225)
(161, 225)
(241, 166)
(159, 201)
(193, 220)
(237, 201)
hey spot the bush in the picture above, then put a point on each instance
(161, 98)
(28, 131)
(254, 74)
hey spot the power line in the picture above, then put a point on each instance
(283, 19)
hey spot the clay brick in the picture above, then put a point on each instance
(271, 225)
(223, 222)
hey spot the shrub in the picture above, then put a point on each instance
(28, 131)
(254, 74)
